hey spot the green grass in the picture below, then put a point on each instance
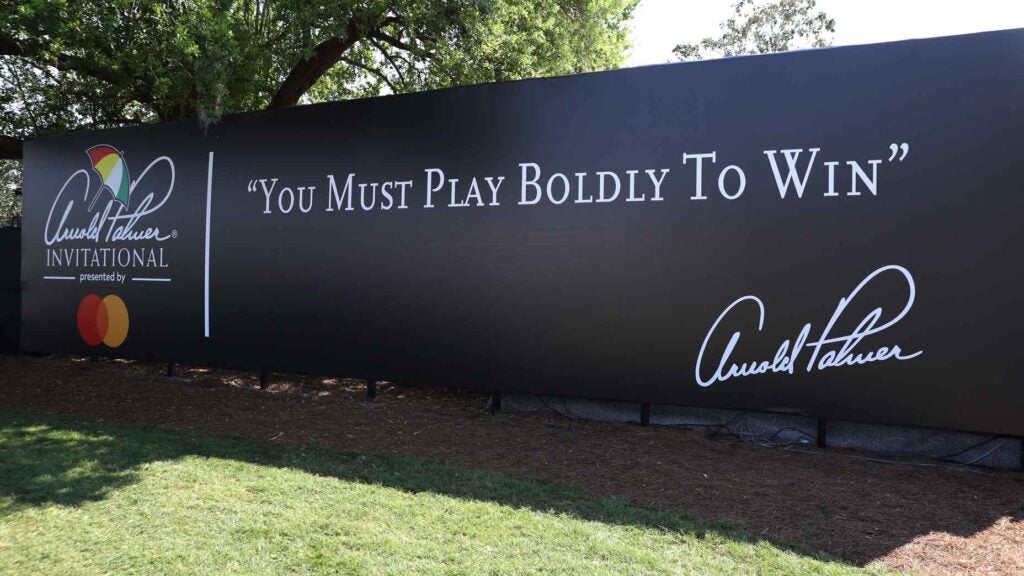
(97, 498)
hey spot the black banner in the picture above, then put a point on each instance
(833, 232)
(10, 288)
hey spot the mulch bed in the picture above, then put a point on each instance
(925, 520)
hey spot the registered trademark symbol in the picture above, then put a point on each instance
(174, 233)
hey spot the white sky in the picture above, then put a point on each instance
(658, 25)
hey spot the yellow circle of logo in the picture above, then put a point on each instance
(117, 321)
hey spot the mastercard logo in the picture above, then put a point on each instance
(103, 320)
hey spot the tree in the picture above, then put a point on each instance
(10, 193)
(755, 28)
(100, 63)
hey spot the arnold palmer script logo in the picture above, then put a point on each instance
(827, 350)
(116, 212)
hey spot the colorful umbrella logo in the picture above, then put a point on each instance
(113, 173)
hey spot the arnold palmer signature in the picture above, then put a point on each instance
(826, 351)
(114, 222)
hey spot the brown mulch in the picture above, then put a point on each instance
(925, 520)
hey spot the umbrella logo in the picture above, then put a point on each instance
(109, 165)
(103, 320)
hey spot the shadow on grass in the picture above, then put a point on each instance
(54, 460)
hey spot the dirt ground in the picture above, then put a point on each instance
(923, 520)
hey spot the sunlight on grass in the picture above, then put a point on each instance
(91, 498)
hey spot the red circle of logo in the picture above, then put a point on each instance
(92, 319)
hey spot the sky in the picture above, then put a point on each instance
(658, 25)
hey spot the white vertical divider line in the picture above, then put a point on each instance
(206, 271)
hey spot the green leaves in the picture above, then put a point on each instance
(10, 200)
(141, 60)
(99, 63)
(756, 28)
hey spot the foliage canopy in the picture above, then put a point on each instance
(97, 63)
(68, 65)
(756, 28)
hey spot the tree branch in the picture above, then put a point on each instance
(40, 52)
(9, 46)
(385, 37)
(10, 148)
(376, 72)
(308, 71)
(394, 65)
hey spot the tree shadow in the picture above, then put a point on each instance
(54, 460)
(49, 460)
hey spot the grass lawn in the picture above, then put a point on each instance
(96, 498)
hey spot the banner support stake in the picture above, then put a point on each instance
(494, 404)
(371, 389)
(170, 368)
(645, 414)
(264, 379)
(822, 433)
